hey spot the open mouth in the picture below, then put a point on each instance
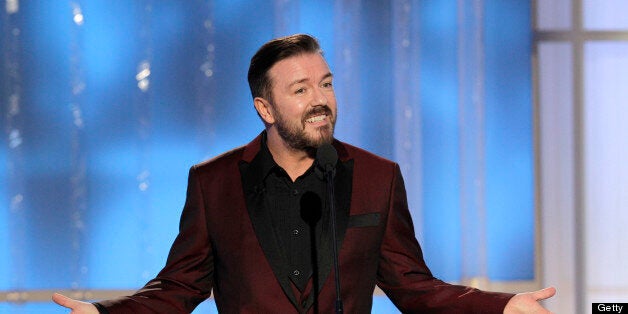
(318, 114)
(317, 118)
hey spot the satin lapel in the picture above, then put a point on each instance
(343, 186)
(252, 182)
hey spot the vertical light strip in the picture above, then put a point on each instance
(78, 196)
(472, 141)
(536, 138)
(347, 46)
(142, 103)
(14, 130)
(556, 171)
(579, 163)
(206, 84)
(406, 88)
(286, 17)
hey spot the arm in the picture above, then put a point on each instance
(407, 280)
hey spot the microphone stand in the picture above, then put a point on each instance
(329, 176)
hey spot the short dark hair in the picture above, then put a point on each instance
(273, 52)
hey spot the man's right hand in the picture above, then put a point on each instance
(77, 307)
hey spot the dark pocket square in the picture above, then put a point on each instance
(364, 220)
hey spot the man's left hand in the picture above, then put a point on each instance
(528, 302)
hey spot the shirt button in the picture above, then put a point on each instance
(296, 272)
(295, 232)
(295, 192)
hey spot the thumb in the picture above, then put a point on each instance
(544, 293)
(64, 301)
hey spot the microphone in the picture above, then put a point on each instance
(327, 158)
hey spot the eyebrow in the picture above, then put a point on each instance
(328, 75)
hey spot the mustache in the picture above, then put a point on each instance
(318, 110)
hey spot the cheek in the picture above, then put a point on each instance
(294, 108)
(331, 100)
(333, 105)
(289, 113)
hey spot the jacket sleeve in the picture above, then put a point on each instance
(406, 279)
(187, 278)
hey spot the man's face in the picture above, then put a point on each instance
(303, 100)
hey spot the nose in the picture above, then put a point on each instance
(320, 97)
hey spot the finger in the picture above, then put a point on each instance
(545, 293)
(62, 300)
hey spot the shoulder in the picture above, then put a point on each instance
(230, 159)
(222, 160)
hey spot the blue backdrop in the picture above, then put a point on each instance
(106, 105)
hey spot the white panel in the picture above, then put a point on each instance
(608, 296)
(605, 14)
(557, 173)
(553, 15)
(606, 167)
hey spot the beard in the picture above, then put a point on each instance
(293, 133)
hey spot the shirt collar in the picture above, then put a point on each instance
(269, 164)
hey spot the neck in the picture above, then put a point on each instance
(294, 161)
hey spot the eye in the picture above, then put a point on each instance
(300, 90)
(327, 85)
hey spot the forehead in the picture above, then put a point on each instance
(302, 66)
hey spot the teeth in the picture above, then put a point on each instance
(316, 119)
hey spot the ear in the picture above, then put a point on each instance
(264, 109)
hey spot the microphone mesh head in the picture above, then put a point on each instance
(327, 156)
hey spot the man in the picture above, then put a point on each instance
(254, 230)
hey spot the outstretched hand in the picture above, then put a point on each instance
(528, 302)
(77, 307)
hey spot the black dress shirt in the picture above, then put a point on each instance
(296, 209)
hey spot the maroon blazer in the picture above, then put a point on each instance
(226, 245)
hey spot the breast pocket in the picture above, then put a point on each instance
(364, 220)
